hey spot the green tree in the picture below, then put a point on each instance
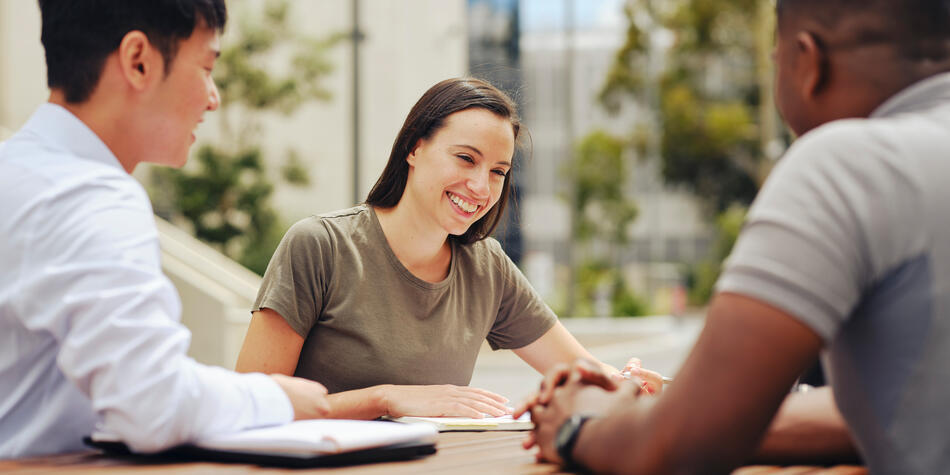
(705, 97)
(225, 197)
(598, 175)
(702, 276)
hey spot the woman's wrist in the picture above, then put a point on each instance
(380, 399)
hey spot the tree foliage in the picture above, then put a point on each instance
(706, 93)
(598, 176)
(225, 195)
(705, 89)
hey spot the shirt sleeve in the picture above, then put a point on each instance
(829, 221)
(523, 317)
(295, 280)
(98, 288)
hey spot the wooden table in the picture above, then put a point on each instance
(485, 453)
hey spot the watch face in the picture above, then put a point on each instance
(565, 432)
(567, 436)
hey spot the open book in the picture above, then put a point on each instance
(447, 424)
(301, 443)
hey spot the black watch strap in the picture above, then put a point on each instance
(567, 436)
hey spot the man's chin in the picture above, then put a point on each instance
(174, 161)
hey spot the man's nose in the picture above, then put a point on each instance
(214, 98)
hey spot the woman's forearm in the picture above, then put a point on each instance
(367, 403)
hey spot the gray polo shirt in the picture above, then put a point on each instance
(851, 235)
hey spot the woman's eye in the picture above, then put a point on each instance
(466, 158)
(500, 172)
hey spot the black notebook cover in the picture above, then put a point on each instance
(192, 453)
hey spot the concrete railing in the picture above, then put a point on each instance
(216, 294)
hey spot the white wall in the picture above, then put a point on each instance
(22, 63)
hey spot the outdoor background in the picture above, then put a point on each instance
(651, 127)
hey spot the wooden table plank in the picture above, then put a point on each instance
(485, 453)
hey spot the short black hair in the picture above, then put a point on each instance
(78, 35)
(920, 29)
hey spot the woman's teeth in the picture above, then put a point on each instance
(464, 205)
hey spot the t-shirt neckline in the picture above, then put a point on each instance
(401, 269)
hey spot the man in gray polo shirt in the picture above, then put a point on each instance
(846, 251)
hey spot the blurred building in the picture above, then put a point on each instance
(494, 54)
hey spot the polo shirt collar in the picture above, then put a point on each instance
(923, 94)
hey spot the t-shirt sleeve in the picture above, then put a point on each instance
(295, 280)
(828, 222)
(523, 317)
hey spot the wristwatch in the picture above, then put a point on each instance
(566, 438)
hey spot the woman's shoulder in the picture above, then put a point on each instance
(484, 247)
(360, 211)
(483, 256)
(329, 226)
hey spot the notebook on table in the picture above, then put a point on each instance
(449, 424)
(310, 443)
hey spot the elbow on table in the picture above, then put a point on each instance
(146, 431)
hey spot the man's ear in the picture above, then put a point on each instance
(812, 64)
(139, 61)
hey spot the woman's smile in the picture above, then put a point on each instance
(462, 205)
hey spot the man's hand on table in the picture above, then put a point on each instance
(583, 388)
(308, 398)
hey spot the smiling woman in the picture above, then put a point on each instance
(387, 303)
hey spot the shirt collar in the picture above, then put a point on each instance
(920, 95)
(61, 129)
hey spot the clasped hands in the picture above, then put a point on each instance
(584, 387)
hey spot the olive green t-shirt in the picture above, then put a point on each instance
(367, 320)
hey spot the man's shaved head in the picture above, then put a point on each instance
(918, 29)
(837, 59)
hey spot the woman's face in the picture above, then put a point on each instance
(456, 176)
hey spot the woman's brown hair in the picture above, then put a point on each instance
(424, 120)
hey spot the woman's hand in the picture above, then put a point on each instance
(650, 381)
(443, 400)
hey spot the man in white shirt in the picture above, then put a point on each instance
(89, 328)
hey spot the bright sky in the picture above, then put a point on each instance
(549, 14)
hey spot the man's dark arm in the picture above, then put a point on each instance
(808, 429)
(712, 418)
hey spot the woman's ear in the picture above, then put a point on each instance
(411, 158)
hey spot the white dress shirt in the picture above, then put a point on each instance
(89, 328)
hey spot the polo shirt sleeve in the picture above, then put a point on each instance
(834, 215)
